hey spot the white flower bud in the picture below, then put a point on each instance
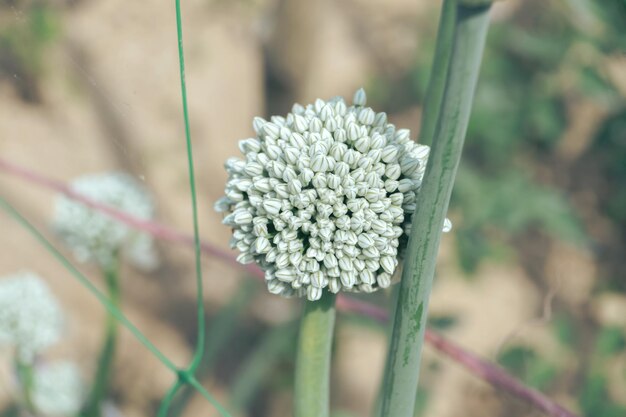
(405, 185)
(262, 245)
(320, 163)
(315, 125)
(300, 124)
(409, 165)
(271, 130)
(281, 191)
(222, 205)
(371, 252)
(313, 293)
(245, 258)
(340, 135)
(393, 171)
(249, 145)
(389, 154)
(388, 263)
(366, 116)
(368, 277)
(297, 141)
(285, 274)
(257, 124)
(381, 119)
(359, 98)
(253, 169)
(291, 155)
(318, 280)
(365, 240)
(402, 135)
(294, 186)
(362, 144)
(384, 280)
(348, 279)
(328, 112)
(272, 206)
(354, 132)
(345, 264)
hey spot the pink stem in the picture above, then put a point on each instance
(481, 368)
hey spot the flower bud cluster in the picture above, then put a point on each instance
(94, 236)
(57, 389)
(323, 197)
(30, 318)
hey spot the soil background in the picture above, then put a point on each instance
(105, 96)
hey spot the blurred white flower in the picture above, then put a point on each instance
(57, 389)
(30, 317)
(94, 236)
(324, 197)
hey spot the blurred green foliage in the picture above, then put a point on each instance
(534, 64)
(28, 28)
(594, 398)
(565, 330)
(529, 366)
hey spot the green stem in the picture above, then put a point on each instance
(312, 380)
(191, 380)
(438, 73)
(197, 357)
(168, 398)
(26, 377)
(102, 378)
(407, 339)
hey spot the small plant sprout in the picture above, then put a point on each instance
(57, 389)
(30, 318)
(323, 197)
(93, 236)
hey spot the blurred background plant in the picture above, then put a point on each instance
(531, 276)
(28, 27)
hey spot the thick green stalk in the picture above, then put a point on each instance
(438, 73)
(312, 381)
(101, 381)
(400, 384)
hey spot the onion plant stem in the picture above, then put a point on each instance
(313, 358)
(401, 377)
(25, 375)
(438, 73)
(102, 378)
